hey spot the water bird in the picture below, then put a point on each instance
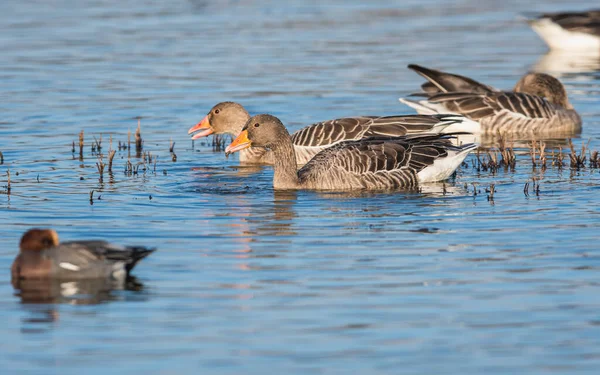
(569, 31)
(537, 104)
(230, 118)
(41, 255)
(376, 163)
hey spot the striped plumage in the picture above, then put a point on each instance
(538, 103)
(377, 163)
(569, 31)
(310, 140)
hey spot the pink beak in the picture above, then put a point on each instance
(204, 126)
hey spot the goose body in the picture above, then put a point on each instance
(376, 163)
(42, 256)
(570, 31)
(538, 103)
(312, 139)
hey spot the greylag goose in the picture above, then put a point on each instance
(569, 31)
(41, 255)
(538, 103)
(378, 163)
(230, 118)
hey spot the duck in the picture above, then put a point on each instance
(230, 118)
(41, 255)
(538, 103)
(375, 163)
(569, 31)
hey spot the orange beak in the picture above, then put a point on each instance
(240, 143)
(203, 125)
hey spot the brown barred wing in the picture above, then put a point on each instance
(441, 82)
(329, 133)
(478, 106)
(375, 163)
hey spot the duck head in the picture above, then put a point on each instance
(36, 240)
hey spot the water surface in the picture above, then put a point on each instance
(255, 281)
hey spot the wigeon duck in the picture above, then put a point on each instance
(230, 118)
(377, 163)
(538, 103)
(42, 256)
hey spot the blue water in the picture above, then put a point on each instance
(248, 280)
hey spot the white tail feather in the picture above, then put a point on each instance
(456, 124)
(443, 168)
(419, 107)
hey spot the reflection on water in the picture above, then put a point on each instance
(40, 298)
(552, 141)
(558, 63)
(75, 292)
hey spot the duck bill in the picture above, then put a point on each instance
(240, 143)
(203, 127)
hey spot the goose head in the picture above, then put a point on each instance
(223, 118)
(260, 131)
(546, 86)
(36, 240)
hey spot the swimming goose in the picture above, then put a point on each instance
(41, 256)
(378, 163)
(230, 118)
(537, 104)
(569, 31)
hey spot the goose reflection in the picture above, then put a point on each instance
(275, 217)
(560, 62)
(553, 141)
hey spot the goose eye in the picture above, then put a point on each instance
(47, 242)
(256, 125)
(217, 111)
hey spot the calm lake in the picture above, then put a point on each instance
(248, 280)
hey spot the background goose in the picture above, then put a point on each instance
(570, 30)
(230, 118)
(377, 163)
(41, 255)
(537, 104)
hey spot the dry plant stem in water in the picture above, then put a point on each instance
(81, 143)
(558, 160)
(98, 143)
(577, 161)
(100, 166)
(138, 138)
(594, 159)
(491, 192)
(507, 153)
(111, 156)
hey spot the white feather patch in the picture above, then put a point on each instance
(118, 271)
(558, 38)
(68, 289)
(442, 168)
(69, 266)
